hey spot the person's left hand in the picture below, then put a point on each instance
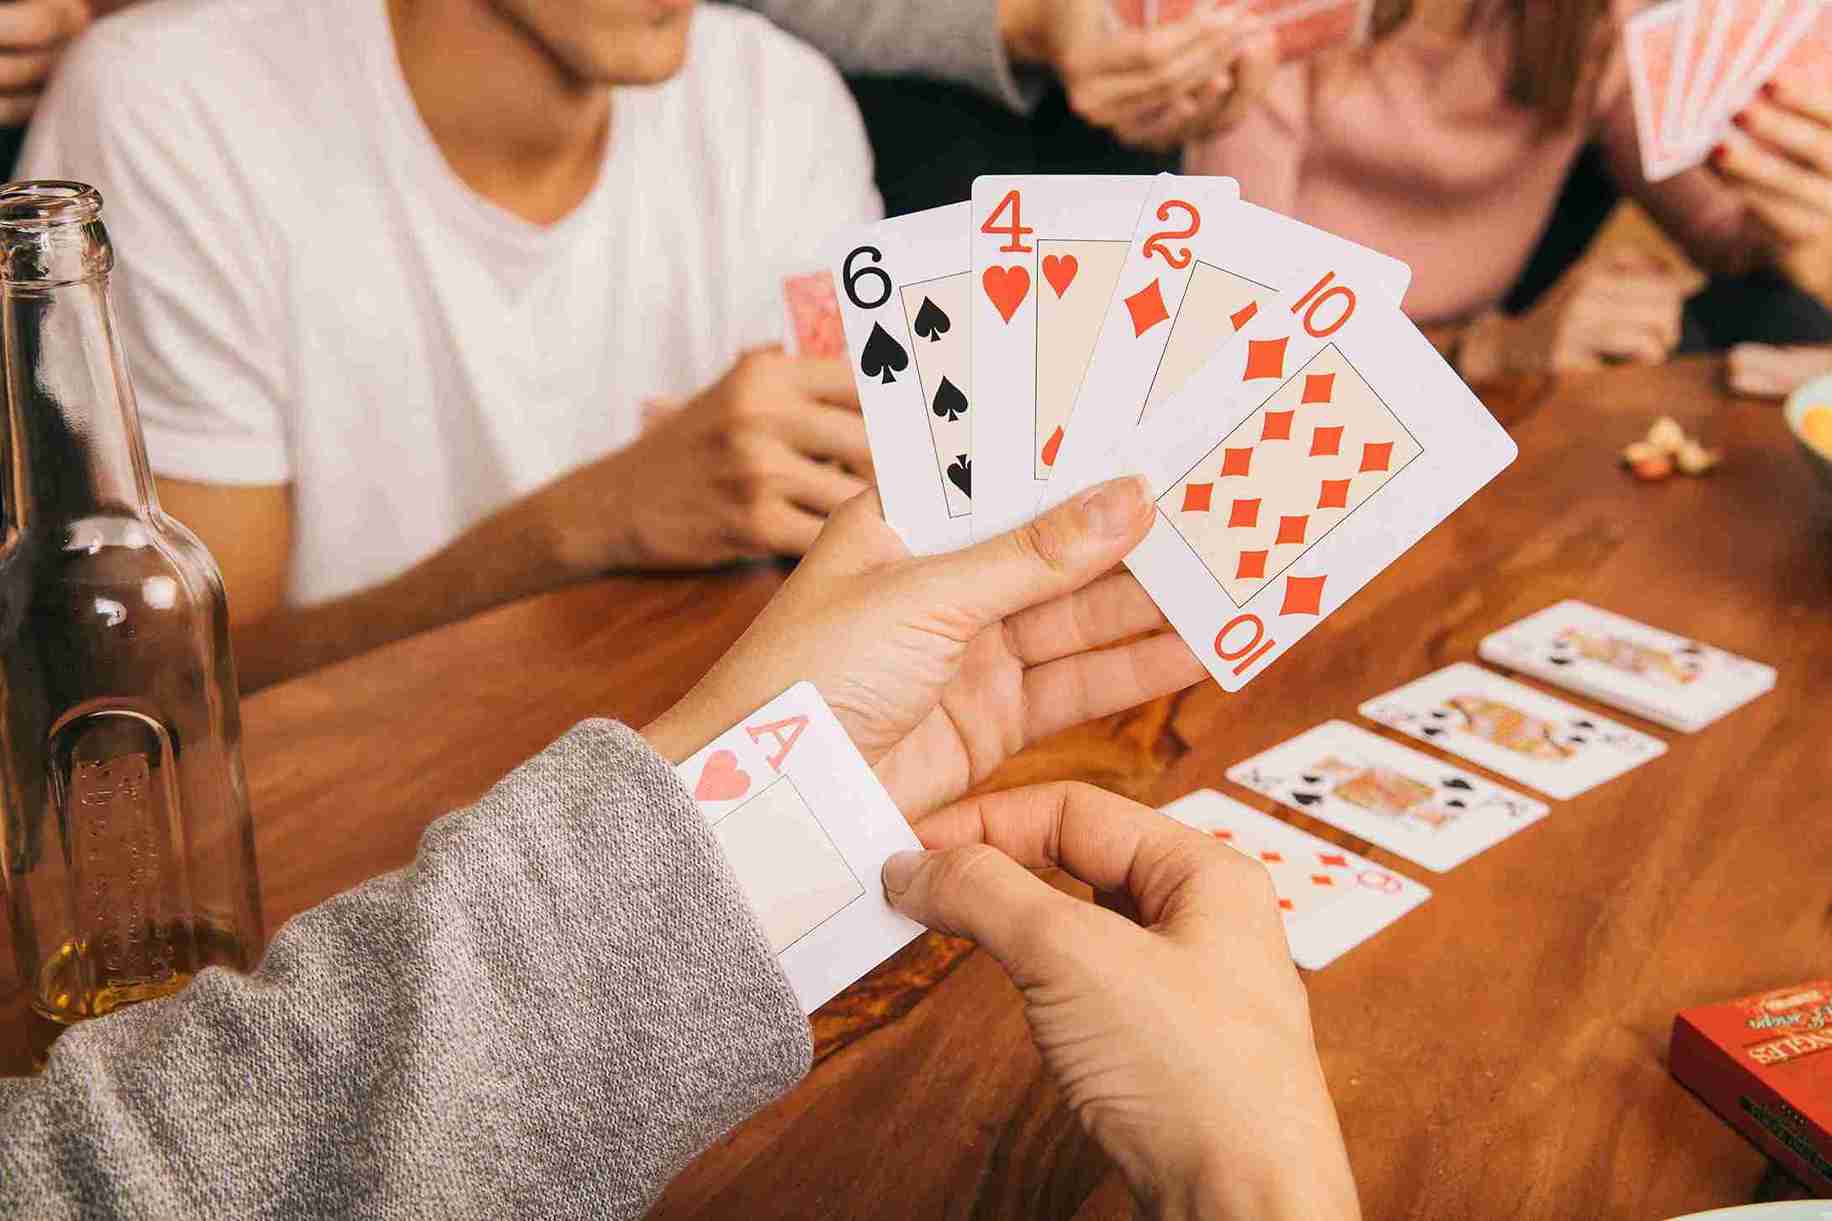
(940, 667)
(1780, 162)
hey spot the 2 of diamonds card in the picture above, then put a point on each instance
(904, 288)
(1202, 264)
(1544, 743)
(1668, 679)
(1047, 251)
(1296, 466)
(806, 827)
(1408, 803)
(1332, 900)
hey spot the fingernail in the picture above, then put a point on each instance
(1770, 89)
(1718, 154)
(1740, 118)
(1112, 508)
(899, 871)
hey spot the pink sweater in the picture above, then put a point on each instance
(1412, 147)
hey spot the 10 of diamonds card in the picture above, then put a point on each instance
(1332, 900)
(1408, 803)
(806, 827)
(1668, 679)
(1545, 743)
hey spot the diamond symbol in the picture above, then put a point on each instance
(1334, 858)
(1375, 455)
(1291, 529)
(1265, 358)
(1224, 833)
(1147, 308)
(1303, 595)
(1335, 494)
(1251, 566)
(1285, 905)
(1242, 316)
(1318, 387)
(1244, 513)
(1196, 497)
(1236, 461)
(1277, 426)
(1322, 879)
(1326, 441)
(1271, 857)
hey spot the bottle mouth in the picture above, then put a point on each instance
(47, 204)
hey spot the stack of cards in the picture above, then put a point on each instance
(1298, 433)
(1302, 27)
(1693, 64)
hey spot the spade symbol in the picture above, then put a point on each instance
(1585, 724)
(931, 323)
(1559, 661)
(950, 403)
(1457, 803)
(883, 356)
(1309, 779)
(960, 473)
(1307, 799)
(1431, 730)
(1439, 713)
(1578, 739)
(1457, 782)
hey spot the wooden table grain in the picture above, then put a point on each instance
(1500, 1052)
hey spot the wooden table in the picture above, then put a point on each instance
(1498, 1053)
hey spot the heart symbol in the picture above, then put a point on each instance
(1006, 288)
(1059, 270)
(722, 778)
(1051, 446)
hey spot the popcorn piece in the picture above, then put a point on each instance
(1695, 459)
(1667, 436)
(1647, 462)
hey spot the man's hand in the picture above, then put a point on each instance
(33, 34)
(1156, 88)
(748, 468)
(1781, 165)
(1185, 1045)
(941, 667)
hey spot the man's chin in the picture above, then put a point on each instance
(650, 59)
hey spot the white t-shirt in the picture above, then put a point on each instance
(307, 292)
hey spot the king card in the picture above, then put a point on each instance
(1543, 742)
(1331, 899)
(1668, 679)
(806, 828)
(1201, 266)
(905, 295)
(1408, 803)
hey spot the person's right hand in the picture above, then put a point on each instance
(748, 468)
(1614, 306)
(1155, 88)
(33, 34)
(1761, 370)
(1182, 1042)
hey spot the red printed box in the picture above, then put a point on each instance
(1764, 1063)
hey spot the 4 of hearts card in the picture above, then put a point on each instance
(1408, 803)
(1202, 265)
(905, 298)
(1332, 900)
(1294, 467)
(1545, 743)
(1047, 251)
(1668, 679)
(806, 827)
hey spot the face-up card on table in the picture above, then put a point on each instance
(1408, 803)
(1296, 466)
(1047, 251)
(806, 827)
(905, 296)
(1668, 679)
(1201, 266)
(1549, 745)
(1332, 900)
(811, 313)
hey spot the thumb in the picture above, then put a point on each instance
(978, 892)
(1056, 554)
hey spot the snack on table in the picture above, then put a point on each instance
(1666, 447)
(1816, 427)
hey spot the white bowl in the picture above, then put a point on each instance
(1797, 1210)
(1816, 393)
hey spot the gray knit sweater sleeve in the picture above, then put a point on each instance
(548, 1013)
(954, 40)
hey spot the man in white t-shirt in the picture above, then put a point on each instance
(398, 277)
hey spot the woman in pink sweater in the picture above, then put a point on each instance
(1446, 142)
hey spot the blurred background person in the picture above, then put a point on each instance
(399, 275)
(33, 35)
(1449, 140)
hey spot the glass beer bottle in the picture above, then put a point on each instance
(128, 847)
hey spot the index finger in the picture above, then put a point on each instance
(826, 378)
(1107, 841)
(34, 24)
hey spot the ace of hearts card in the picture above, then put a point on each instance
(1331, 899)
(805, 826)
(1202, 264)
(905, 298)
(1047, 251)
(1408, 803)
(1558, 748)
(1297, 465)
